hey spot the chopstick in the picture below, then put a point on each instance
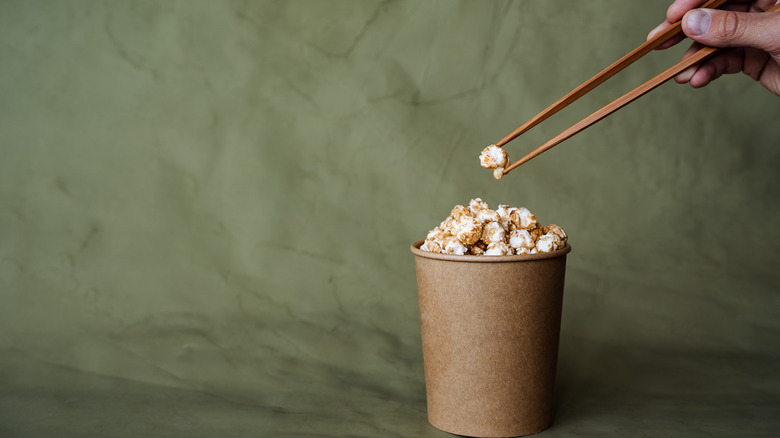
(627, 98)
(603, 75)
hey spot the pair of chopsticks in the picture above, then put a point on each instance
(607, 73)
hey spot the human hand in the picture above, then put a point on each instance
(753, 38)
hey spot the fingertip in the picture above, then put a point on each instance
(702, 76)
(656, 30)
(685, 75)
(677, 9)
(698, 82)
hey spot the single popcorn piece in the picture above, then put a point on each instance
(476, 205)
(498, 249)
(493, 157)
(548, 242)
(522, 218)
(488, 215)
(436, 234)
(460, 210)
(504, 213)
(477, 230)
(536, 232)
(446, 224)
(498, 173)
(468, 230)
(431, 246)
(453, 246)
(493, 232)
(521, 239)
(555, 229)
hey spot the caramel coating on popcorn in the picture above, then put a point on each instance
(493, 157)
(453, 246)
(436, 234)
(478, 230)
(459, 211)
(555, 229)
(536, 233)
(499, 249)
(493, 232)
(468, 230)
(504, 216)
(523, 218)
(476, 205)
(431, 246)
(488, 215)
(548, 242)
(521, 239)
(478, 248)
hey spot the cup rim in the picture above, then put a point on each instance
(415, 248)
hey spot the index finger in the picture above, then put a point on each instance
(680, 7)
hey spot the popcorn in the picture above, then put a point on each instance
(468, 230)
(548, 242)
(478, 248)
(493, 157)
(496, 158)
(498, 249)
(493, 232)
(477, 230)
(431, 246)
(476, 205)
(503, 210)
(459, 211)
(536, 232)
(504, 213)
(453, 246)
(555, 229)
(447, 225)
(522, 218)
(488, 215)
(436, 234)
(521, 239)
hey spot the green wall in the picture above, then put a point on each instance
(219, 196)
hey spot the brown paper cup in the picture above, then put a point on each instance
(490, 328)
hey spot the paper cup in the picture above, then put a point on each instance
(490, 328)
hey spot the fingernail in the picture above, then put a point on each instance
(654, 31)
(686, 75)
(698, 22)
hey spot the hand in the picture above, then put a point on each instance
(754, 39)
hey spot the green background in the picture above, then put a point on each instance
(206, 209)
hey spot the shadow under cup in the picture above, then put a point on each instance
(490, 329)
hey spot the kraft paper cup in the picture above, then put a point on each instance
(490, 328)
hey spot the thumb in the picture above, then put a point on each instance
(718, 28)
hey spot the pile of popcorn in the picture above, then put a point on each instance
(478, 230)
(496, 158)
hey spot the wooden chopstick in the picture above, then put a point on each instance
(615, 105)
(605, 74)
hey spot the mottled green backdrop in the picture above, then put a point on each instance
(206, 209)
